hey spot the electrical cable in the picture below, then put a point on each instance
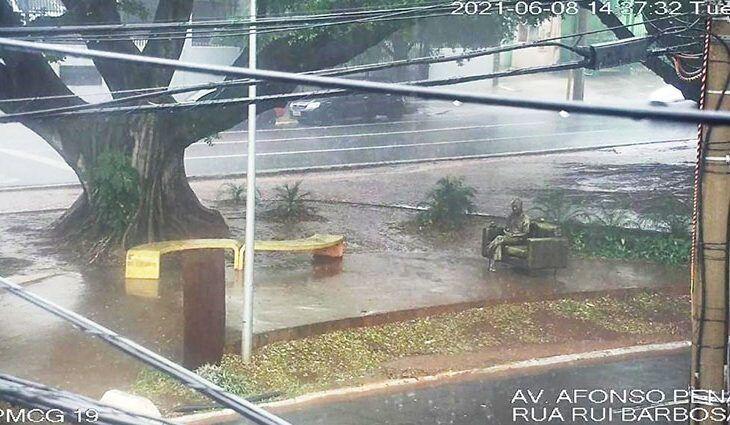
(656, 113)
(332, 72)
(241, 406)
(150, 26)
(99, 108)
(429, 59)
(393, 16)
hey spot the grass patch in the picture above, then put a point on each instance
(642, 314)
(352, 356)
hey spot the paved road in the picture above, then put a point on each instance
(489, 401)
(436, 130)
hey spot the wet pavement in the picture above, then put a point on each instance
(385, 267)
(290, 291)
(491, 400)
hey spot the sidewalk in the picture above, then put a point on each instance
(386, 269)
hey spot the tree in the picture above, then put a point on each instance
(661, 29)
(154, 144)
(161, 203)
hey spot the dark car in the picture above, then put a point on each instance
(353, 107)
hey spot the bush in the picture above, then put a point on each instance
(671, 213)
(236, 193)
(290, 203)
(630, 244)
(114, 191)
(447, 204)
(555, 206)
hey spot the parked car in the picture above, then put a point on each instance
(671, 97)
(354, 107)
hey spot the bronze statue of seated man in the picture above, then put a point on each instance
(514, 233)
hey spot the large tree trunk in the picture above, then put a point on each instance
(167, 208)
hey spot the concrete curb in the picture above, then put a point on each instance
(532, 365)
(375, 319)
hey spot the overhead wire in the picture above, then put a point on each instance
(331, 72)
(429, 59)
(396, 14)
(212, 23)
(655, 113)
(101, 108)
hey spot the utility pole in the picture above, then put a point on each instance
(247, 325)
(710, 266)
(577, 79)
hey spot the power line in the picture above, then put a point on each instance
(70, 406)
(97, 107)
(166, 90)
(241, 406)
(693, 116)
(148, 26)
(231, 33)
(391, 15)
(100, 108)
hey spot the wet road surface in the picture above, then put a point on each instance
(490, 400)
(437, 130)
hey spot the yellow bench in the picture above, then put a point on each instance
(319, 245)
(143, 262)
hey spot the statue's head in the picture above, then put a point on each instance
(516, 205)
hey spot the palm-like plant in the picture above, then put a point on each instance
(555, 206)
(447, 204)
(290, 202)
(236, 193)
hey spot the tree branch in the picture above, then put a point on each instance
(29, 75)
(117, 75)
(664, 70)
(167, 10)
(328, 48)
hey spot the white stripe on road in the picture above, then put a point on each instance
(364, 124)
(385, 133)
(453, 142)
(55, 163)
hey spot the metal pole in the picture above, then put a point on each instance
(247, 328)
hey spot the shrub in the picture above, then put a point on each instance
(671, 213)
(555, 206)
(631, 244)
(447, 204)
(236, 193)
(616, 213)
(114, 191)
(290, 203)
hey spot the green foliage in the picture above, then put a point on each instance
(290, 203)
(630, 244)
(670, 213)
(555, 206)
(114, 191)
(616, 213)
(236, 193)
(447, 204)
